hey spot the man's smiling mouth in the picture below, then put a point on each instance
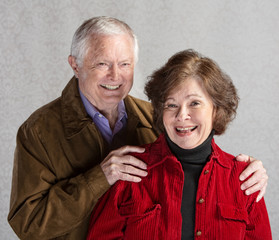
(110, 87)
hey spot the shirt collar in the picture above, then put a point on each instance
(122, 110)
(92, 111)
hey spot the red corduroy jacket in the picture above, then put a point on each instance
(151, 209)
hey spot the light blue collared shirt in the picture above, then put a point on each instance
(102, 122)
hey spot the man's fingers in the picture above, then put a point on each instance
(129, 149)
(261, 186)
(252, 168)
(243, 158)
(258, 177)
(124, 151)
(130, 178)
(120, 166)
(258, 181)
(253, 186)
(261, 194)
(131, 170)
(115, 172)
(130, 160)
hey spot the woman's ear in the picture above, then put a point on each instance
(214, 113)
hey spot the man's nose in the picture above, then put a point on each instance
(114, 72)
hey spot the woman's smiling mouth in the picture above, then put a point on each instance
(185, 129)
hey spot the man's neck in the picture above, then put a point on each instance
(111, 115)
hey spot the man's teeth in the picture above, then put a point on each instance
(185, 129)
(110, 87)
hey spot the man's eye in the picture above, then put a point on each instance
(102, 65)
(125, 64)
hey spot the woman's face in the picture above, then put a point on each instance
(188, 114)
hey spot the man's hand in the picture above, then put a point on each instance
(258, 181)
(120, 166)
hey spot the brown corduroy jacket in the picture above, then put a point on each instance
(57, 179)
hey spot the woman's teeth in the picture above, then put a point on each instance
(186, 129)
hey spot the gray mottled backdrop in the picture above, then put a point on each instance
(242, 36)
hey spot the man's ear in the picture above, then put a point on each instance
(73, 64)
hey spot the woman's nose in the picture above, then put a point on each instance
(183, 114)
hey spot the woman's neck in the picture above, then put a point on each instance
(197, 155)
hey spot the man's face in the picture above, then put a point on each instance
(106, 75)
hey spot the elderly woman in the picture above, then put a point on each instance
(192, 189)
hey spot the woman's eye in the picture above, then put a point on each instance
(195, 103)
(171, 105)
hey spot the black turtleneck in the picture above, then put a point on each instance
(192, 161)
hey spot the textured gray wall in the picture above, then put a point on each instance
(242, 36)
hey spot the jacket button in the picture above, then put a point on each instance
(198, 233)
(206, 172)
(201, 200)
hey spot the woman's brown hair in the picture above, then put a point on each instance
(186, 64)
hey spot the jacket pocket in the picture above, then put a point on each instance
(233, 221)
(231, 212)
(140, 223)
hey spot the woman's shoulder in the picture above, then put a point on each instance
(154, 152)
(228, 159)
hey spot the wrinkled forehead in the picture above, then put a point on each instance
(100, 43)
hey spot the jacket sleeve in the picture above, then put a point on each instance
(41, 206)
(258, 227)
(106, 220)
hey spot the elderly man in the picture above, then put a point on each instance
(70, 151)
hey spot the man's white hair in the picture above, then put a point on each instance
(99, 26)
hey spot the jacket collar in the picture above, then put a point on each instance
(134, 112)
(162, 151)
(157, 153)
(218, 155)
(75, 117)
